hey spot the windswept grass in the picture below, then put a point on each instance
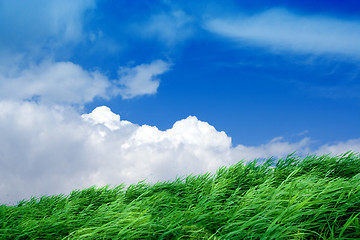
(317, 197)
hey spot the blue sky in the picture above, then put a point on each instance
(253, 91)
(110, 92)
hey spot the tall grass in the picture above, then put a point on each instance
(317, 197)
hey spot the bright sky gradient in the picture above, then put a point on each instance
(112, 91)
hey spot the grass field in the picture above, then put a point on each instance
(317, 197)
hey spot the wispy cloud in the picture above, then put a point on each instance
(340, 147)
(277, 147)
(140, 80)
(280, 29)
(170, 27)
(40, 24)
(51, 150)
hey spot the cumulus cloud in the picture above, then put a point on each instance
(52, 150)
(141, 79)
(47, 150)
(281, 29)
(103, 115)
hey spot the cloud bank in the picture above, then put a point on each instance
(52, 150)
(281, 29)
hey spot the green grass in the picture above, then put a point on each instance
(317, 197)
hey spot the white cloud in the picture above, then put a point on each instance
(52, 150)
(53, 82)
(103, 115)
(141, 79)
(280, 29)
(45, 150)
(41, 151)
(68, 83)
